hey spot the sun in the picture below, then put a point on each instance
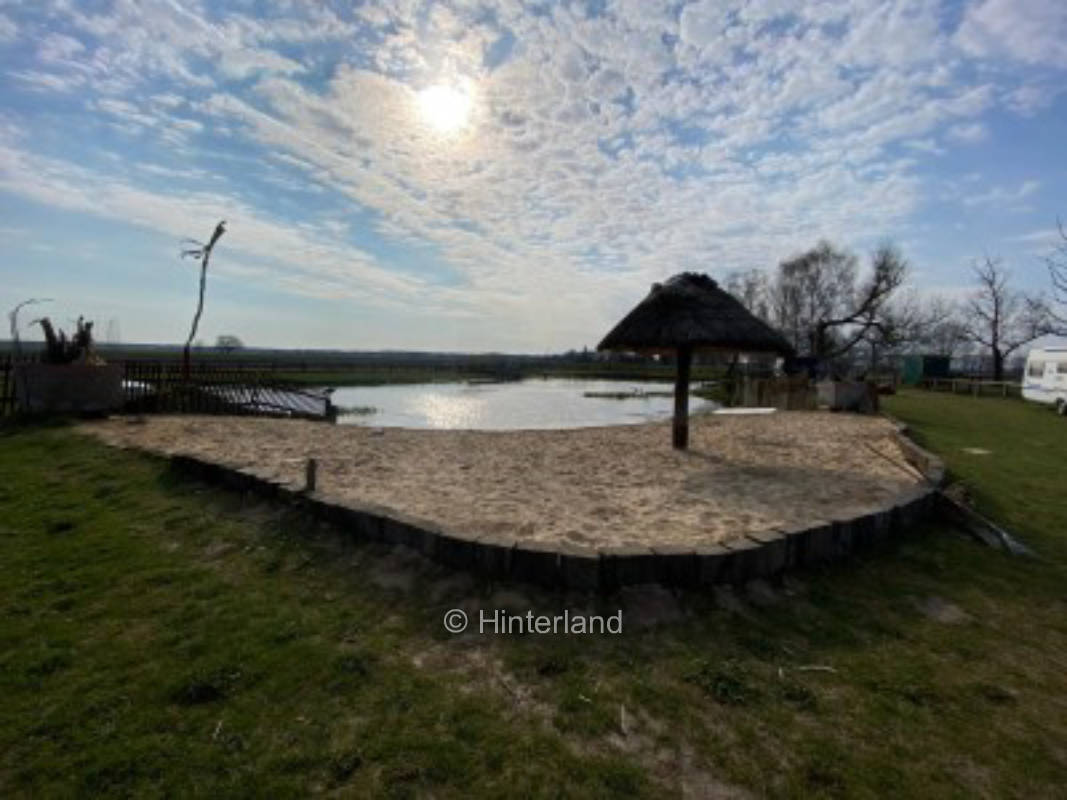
(446, 109)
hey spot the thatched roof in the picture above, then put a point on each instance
(691, 309)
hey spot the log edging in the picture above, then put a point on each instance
(758, 554)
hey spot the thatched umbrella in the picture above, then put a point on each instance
(691, 313)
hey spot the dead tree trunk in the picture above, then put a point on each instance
(203, 253)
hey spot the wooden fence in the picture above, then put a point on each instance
(161, 387)
(7, 381)
(976, 387)
(784, 393)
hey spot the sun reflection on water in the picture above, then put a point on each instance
(530, 404)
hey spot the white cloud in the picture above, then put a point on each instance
(311, 257)
(128, 112)
(58, 47)
(702, 23)
(1044, 236)
(47, 81)
(170, 172)
(603, 150)
(240, 64)
(1031, 98)
(1039, 243)
(968, 132)
(8, 30)
(1004, 199)
(1032, 31)
(926, 146)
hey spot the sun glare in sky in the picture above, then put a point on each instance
(446, 109)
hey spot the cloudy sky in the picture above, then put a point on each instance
(507, 176)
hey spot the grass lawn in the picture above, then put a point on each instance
(161, 637)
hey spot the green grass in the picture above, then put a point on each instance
(161, 637)
(1020, 483)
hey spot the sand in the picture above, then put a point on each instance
(622, 485)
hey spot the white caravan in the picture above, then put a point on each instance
(1045, 379)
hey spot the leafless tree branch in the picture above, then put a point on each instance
(1057, 268)
(13, 319)
(1000, 318)
(203, 255)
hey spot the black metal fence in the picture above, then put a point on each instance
(162, 387)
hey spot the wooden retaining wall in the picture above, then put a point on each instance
(762, 554)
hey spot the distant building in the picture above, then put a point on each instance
(917, 367)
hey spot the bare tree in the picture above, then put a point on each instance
(809, 288)
(947, 336)
(870, 304)
(819, 306)
(908, 322)
(752, 287)
(1002, 319)
(1057, 267)
(228, 343)
(202, 253)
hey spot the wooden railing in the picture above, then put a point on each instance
(784, 393)
(976, 387)
(7, 380)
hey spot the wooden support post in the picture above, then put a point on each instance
(310, 474)
(681, 398)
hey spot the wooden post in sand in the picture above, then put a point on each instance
(310, 475)
(681, 398)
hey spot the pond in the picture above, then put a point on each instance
(519, 405)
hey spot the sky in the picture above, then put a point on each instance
(507, 176)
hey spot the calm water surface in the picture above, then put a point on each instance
(523, 405)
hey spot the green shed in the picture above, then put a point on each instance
(918, 367)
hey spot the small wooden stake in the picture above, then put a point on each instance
(310, 474)
(681, 398)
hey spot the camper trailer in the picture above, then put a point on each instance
(1045, 379)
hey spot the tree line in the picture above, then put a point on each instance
(846, 319)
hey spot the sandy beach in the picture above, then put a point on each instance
(621, 485)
